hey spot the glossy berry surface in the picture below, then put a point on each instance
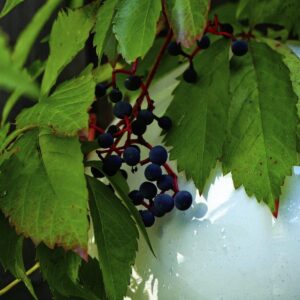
(165, 123)
(96, 173)
(226, 27)
(148, 190)
(183, 200)
(115, 95)
(122, 109)
(204, 42)
(165, 182)
(133, 83)
(112, 164)
(156, 212)
(147, 217)
(239, 48)
(136, 197)
(164, 203)
(131, 156)
(100, 90)
(174, 49)
(105, 140)
(145, 116)
(153, 172)
(190, 75)
(158, 155)
(138, 127)
(113, 129)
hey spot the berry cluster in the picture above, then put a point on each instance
(239, 47)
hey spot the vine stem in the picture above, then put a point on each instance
(16, 281)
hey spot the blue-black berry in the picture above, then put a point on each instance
(174, 49)
(165, 123)
(204, 42)
(147, 217)
(226, 27)
(158, 155)
(133, 82)
(122, 109)
(136, 197)
(239, 47)
(100, 90)
(148, 190)
(165, 182)
(131, 156)
(183, 200)
(190, 75)
(112, 164)
(153, 172)
(105, 140)
(113, 129)
(146, 116)
(115, 95)
(138, 127)
(164, 203)
(156, 212)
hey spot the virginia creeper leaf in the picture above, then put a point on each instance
(104, 19)
(199, 114)
(66, 110)
(60, 269)
(188, 19)
(11, 77)
(116, 237)
(8, 6)
(135, 26)
(68, 35)
(11, 256)
(260, 149)
(44, 190)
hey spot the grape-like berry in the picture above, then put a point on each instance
(133, 82)
(147, 217)
(158, 155)
(239, 47)
(148, 190)
(183, 200)
(164, 203)
(153, 172)
(165, 182)
(105, 140)
(226, 27)
(138, 127)
(145, 116)
(174, 49)
(165, 123)
(190, 75)
(204, 42)
(100, 90)
(113, 129)
(115, 95)
(131, 156)
(136, 197)
(156, 212)
(112, 164)
(122, 109)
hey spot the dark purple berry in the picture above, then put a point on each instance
(96, 173)
(136, 197)
(165, 182)
(131, 156)
(174, 49)
(112, 164)
(146, 116)
(165, 123)
(133, 82)
(156, 212)
(148, 190)
(105, 140)
(100, 90)
(183, 200)
(122, 109)
(153, 172)
(147, 217)
(113, 129)
(138, 127)
(190, 75)
(204, 42)
(115, 95)
(226, 27)
(239, 48)
(158, 155)
(164, 203)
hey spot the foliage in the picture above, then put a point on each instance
(231, 114)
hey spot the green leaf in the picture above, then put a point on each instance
(31, 32)
(199, 114)
(135, 26)
(8, 6)
(122, 189)
(111, 48)
(68, 35)
(3, 133)
(66, 110)
(44, 190)
(260, 149)
(188, 19)
(116, 237)
(11, 77)
(11, 258)
(104, 19)
(60, 269)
